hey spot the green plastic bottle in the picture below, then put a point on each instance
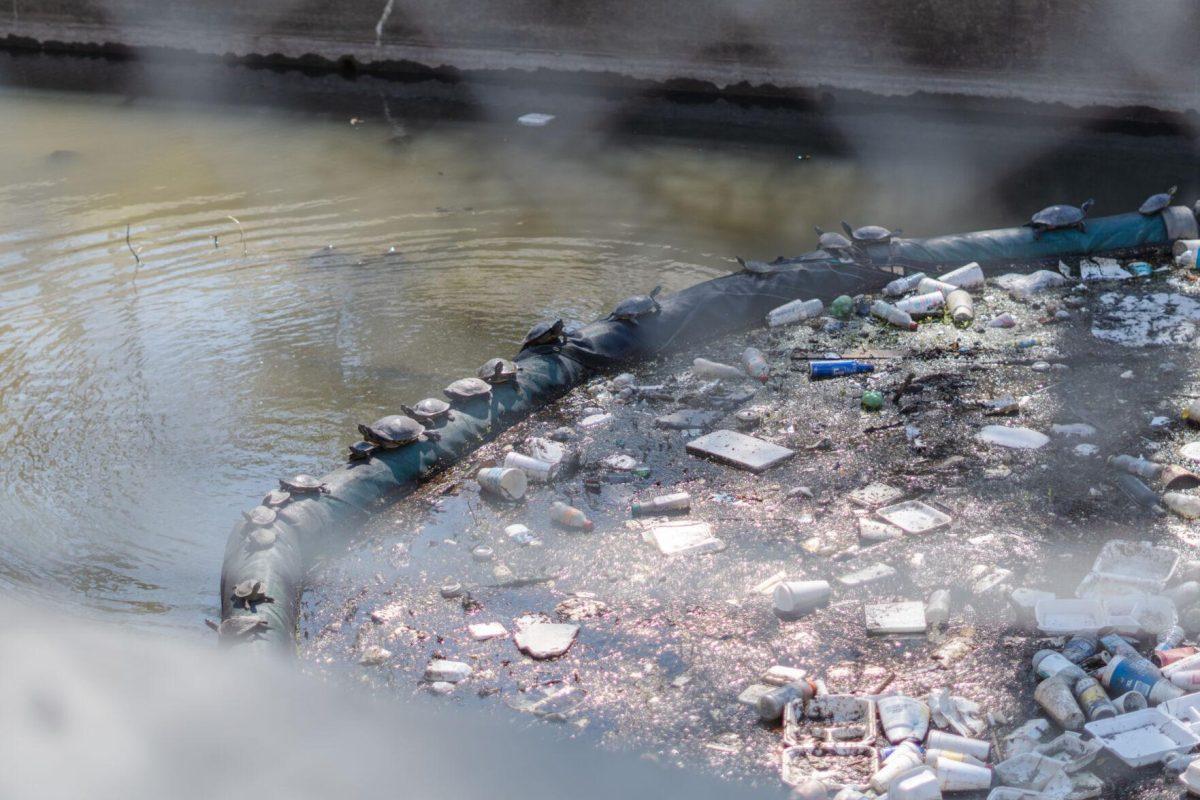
(841, 307)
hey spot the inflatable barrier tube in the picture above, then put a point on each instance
(713, 308)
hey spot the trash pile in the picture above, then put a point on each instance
(845, 491)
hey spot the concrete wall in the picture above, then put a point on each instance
(1078, 52)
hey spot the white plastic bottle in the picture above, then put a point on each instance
(965, 277)
(903, 285)
(703, 368)
(679, 501)
(893, 315)
(922, 304)
(934, 285)
(795, 311)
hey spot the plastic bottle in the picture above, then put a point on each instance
(837, 368)
(893, 315)
(1093, 699)
(1140, 493)
(791, 598)
(1136, 465)
(794, 311)
(771, 704)
(534, 468)
(903, 285)
(934, 285)
(569, 516)
(962, 307)
(1048, 664)
(1054, 695)
(755, 364)
(1080, 648)
(703, 368)
(842, 306)
(1117, 645)
(1185, 505)
(968, 276)
(679, 501)
(922, 304)
(1170, 639)
(937, 609)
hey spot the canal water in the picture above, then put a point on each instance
(200, 294)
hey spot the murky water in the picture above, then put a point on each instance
(145, 399)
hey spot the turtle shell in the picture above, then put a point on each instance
(361, 450)
(1057, 216)
(872, 233)
(248, 589)
(1157, 202)
(637, 306)
(497, 370)
(465, 388)
(544, 332)
(301, 484)
(241, 626)
(832, 240)
(261, 538)
(757, 267)
(261, 516)
(392, 431)
(276, 497)
(431, 408)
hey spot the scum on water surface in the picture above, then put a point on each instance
(666, 643)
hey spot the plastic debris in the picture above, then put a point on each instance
(543, 640)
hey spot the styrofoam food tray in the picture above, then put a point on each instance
(837, 764)
(1142, 737)
(1136, 562)
(913, 516)
(1186, 709)
(1135, 614)
(1066, 615)
(831, 713)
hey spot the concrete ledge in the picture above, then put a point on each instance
(1113, 53)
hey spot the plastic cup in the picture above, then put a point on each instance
(959, 776)
(941, 740)
(534, 468)
(797, 597)
(506, 482)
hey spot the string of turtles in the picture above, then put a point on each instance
(419, 422)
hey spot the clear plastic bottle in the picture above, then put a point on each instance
(922, 304)
(937, 609)
(703, 368)
(1136, 466)
(755, 364)
(679, 501)
(569, 516)
(903, 285)
(795, 311)
(934, 285)
(893, 315)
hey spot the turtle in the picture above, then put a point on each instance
(260, 516)
(303, 484)
(757, 267)
(276, 498)
(431, 409)
(832, 241)
(238, 628)
(870, 234)
(396, 430)
(1157, 202)
(639, 305)
(466, 388)
(544, 332)
(497, 370)
(1056, 217)
(251, 592)
(360, 451)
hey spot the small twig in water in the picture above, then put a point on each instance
(241, 233)
(137, 259)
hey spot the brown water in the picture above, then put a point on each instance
(142, 405)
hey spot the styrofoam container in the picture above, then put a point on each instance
(1139, 563)
(1186, 709)
(1137, 614)
(1143, 737)
(829, 713)
(1064, 615)
(913, 516)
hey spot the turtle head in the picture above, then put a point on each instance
(741, 261)
(366, 432)
(1171, 192)
(499, 370)
(846, 227)
(408, 412)
(819, 230)
(1086, 205)
(433, 436)
(654, 292)
(557, 327)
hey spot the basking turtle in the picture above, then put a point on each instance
(302, 484)
(639, 305)
(497, 370)
(757, 267)
(360, 451)
(245, 626)
(431, 409)
(1052, 218)
(250, 593)
(870, 234)
(1157, 202)
(260, 516)
(276, 498)
(261, 538)
(396, 430)
(545, 332)
(832, 241)
(466, 388)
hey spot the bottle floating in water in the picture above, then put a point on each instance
(1080, 648)
(1170, 639)
(570, 517)
(934, 285)
(903, 285)
(893, 315)
(1136, 466)
(679, 501)
(756, 364)
(962, 307)
(965, 277)
(837, 368)
(794, 311)
(922, 304)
